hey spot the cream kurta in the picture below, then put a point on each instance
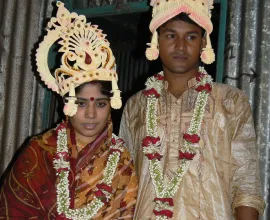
(223, 175)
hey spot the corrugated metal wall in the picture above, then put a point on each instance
(247, 66)
(20, 93)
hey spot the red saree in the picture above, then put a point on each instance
(29, 190)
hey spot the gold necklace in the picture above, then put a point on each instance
(80, 145)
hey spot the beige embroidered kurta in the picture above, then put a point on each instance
(223, 175)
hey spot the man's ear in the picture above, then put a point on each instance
(203, 45)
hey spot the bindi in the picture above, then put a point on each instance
(92, 99)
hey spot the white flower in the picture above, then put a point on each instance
(62, 188)
(60, 163)
(153, 82)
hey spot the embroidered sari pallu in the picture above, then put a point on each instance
(29, 190)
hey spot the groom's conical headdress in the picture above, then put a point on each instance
(198, 10)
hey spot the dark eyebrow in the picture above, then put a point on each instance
(100, 99)
(81, 99)
(164, 29)
(167, 30)
(193, 32)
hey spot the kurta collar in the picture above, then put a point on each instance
(191, 83)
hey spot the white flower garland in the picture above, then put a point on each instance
(151, 113)
(168, 191)
(62, 167)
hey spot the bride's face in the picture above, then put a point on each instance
(92, 114)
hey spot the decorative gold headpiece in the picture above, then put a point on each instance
(86, 57)
(198, 10)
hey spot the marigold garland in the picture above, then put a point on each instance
(104, 189)
(152, 147)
